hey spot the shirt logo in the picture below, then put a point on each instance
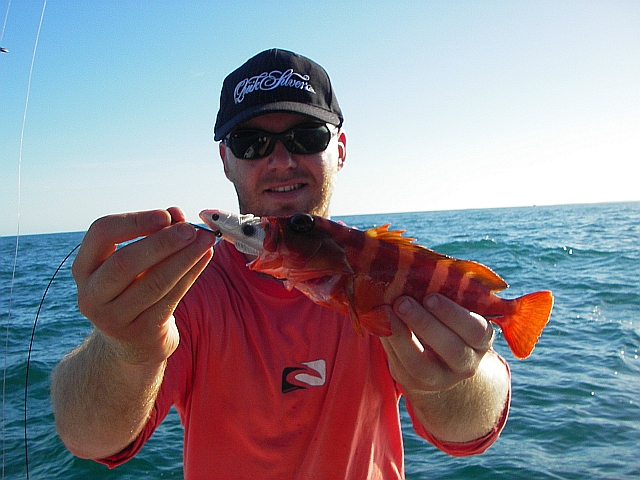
(307, 374)
(270, 81)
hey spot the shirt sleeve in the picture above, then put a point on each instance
(134, 447)
(464, 449)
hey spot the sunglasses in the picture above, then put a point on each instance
(251, 144)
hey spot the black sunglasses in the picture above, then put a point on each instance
(252, 144)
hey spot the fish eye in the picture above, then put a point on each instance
(301, 223)
(248, 230)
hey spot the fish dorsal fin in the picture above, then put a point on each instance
(468, 267)
(395, 237)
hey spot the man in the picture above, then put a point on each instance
(267, 384)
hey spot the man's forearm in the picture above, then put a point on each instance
(101, 402)
(470, 409)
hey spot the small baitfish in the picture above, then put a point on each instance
(354, 271)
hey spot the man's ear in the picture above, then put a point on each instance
(342, 149)
(223, 156)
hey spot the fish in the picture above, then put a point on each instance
(356, 271)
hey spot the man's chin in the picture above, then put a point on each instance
(286, 209)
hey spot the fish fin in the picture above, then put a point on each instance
(355, 321)
(351, 303)
(395, 237)
(294, 277)
(522, 329)
(376, 322)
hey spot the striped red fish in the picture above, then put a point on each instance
(355, 271)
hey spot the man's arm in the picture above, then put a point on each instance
(440, 353)
(101, 402)
(103, 391)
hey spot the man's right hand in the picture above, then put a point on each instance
(103, 391)
(130, 293)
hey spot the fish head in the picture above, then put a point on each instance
(246, 232)
(302, 247)
(297, 249)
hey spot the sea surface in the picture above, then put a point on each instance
(576, 401)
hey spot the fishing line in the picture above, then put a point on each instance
(13, 273)
(4, 24)
(33, 333)
(15, 257)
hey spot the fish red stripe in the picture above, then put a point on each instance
(385, 263)
(354, 239)
(406, 260)
(347, 236)
(466, 285)
(452, 283)
(472, 295)
(367, 255)
(438, 277)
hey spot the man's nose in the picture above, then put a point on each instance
(280, 157)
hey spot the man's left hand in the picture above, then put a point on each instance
(440, 354)
(435, 345)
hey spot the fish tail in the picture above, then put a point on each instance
(522, 329)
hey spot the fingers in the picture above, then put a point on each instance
(474, 330)
(439, 342)
(446, 318)
(156, 287)
(487, 337)
(177, 215)
(413, 364)
(130, 293)
(106, 233)
(153, 336)
(124, 266)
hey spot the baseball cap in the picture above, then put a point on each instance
(276, 81)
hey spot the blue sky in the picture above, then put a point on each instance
(448, 105)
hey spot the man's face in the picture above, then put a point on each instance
(284, 183)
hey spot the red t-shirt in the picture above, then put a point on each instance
(270, 385)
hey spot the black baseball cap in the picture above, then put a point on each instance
(276, 81)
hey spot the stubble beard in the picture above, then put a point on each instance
(319, 205)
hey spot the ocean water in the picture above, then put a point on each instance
(576, 401)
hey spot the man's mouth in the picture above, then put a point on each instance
(286, 188)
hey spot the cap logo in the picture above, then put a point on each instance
(270, 81)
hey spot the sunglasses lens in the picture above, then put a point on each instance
(307, 139)
(250, 144)
(256, 144)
